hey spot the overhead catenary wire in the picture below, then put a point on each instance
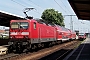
(84, 28)
(24, 6)
(65, 6)
(18, 3)
(85, 24)
(34, 8)
(35, 4)
(60, 6)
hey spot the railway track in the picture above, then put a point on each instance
(8, 56)
(43, 53)
(60, 54)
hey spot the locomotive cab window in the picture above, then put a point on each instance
(14, 25)
(34, 25)
(20, 25)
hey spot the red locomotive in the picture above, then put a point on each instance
(25, 34)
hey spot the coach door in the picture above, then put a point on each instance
(39, 34)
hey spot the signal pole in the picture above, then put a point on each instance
(71, 21)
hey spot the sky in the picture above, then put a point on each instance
(17, 7)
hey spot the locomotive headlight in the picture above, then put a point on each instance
(10, 43)
(11, 37)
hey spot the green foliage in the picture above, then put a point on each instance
(52, 16)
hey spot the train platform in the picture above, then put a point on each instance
(80, 53)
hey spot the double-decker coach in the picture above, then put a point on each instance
(63, 34)
(73, 35)
(58, 34)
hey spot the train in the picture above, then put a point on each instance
(82, 36)
(29, 34)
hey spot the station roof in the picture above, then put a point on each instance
(81, 8)
(5, 18)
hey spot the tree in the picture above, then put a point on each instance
(52, 16)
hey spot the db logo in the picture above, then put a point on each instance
(19, 33)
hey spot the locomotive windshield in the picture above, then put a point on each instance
(20, 25)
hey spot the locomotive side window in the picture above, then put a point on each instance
(14, 25)
(34, 25)
(24, 25)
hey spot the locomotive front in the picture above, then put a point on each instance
(19, 35)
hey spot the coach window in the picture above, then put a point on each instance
(34, 25)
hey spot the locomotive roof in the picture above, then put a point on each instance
(44, 22)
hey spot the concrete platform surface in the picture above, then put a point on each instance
(80, 53)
